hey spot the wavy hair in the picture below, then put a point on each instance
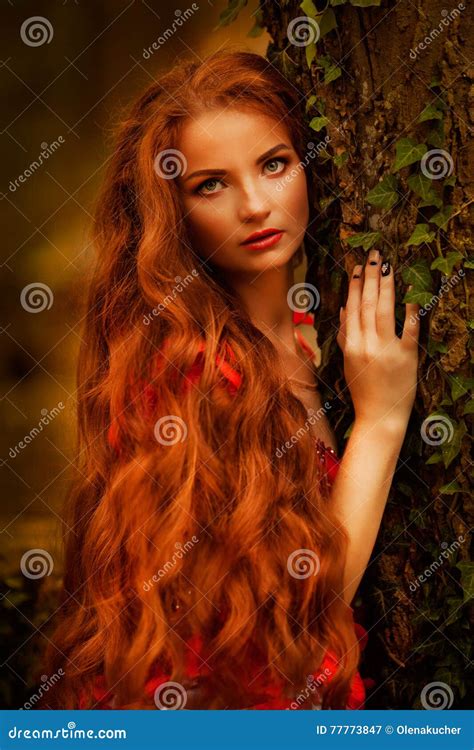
(134, 506)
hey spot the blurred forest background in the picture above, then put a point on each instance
(385, 90)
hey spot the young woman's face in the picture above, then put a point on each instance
(241, 189)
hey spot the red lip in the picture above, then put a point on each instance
(260, 235)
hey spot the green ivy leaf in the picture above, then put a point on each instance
(446, 265)
(435, 458)
(418, 274)
(423, 187)
(327, 22)
(467, 578)
(451, 449)
(420, 234)
(332, 73)
(469, 407)
(340, 159)
(309, 8)
(435, 136)
(451, 180)
(312, 99)
(337, 2)
(442, 217)
(384, 195)
(310, 53)
(256, 30)
(451, 488)
(408, 152)
(419, 297)
(229, 14)
(469, 263)
(431, 112)
(318, 123)
(434, 347)
(364, 239)
(460, 385)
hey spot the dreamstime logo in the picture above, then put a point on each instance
(437, 164)
(170, 696)
(444, 555)
(312, 419)
(180, 285)
(303, 297)
(448, 16)
(312, 153)
(303, 563)
(447, 283)
(302, 31)
(45, 153)
(36, 563)
(47, 417)
(181, 551)
(46, 683)
(181, 17)
(170, 163)
(35, 31)
(436, 696)
(170, 429)
(36, 297)
(437, 429)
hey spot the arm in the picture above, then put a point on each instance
(360, 491)
(380, 371)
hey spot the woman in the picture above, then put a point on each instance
(212, 548)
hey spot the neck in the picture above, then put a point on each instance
(265, 299)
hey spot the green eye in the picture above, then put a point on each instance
(276, 161)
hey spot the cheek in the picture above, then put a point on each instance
(295, 200)
(207, 228)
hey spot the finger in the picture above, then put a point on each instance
(411, 325)
(370, 293)
(341, 335)
(352, 311)
(386, 303)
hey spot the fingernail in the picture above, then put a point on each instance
(357, 272)
(385, 268)
(373, 257)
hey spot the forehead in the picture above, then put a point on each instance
(220, 133)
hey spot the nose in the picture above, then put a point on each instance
(253, 204)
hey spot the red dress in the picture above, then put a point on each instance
(272, 693)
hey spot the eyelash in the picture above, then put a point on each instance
(215, 179)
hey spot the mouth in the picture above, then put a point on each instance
(262, 239)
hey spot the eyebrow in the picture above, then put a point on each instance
(263, 157)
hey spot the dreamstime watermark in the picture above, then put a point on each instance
(180, 285)
(437, 429)
(302, 31)
(436, 696)
(312, 419)
(303, 297)
(437, 164)
(181, 551)
(36, 31)
(170, 696)
(446, 284)
(36, 563)
(314, 151)
(181, 18)
(46, 683)
(313, 684)
(303, 563)
(445, 554)
(448, 16)
(36, 297)
(45, 153)
(170, 163)
(170, 429)
(47, 417)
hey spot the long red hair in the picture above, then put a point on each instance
(133, 506)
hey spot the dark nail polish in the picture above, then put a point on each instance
(385, 268)
(372, 262)
(356, 276)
